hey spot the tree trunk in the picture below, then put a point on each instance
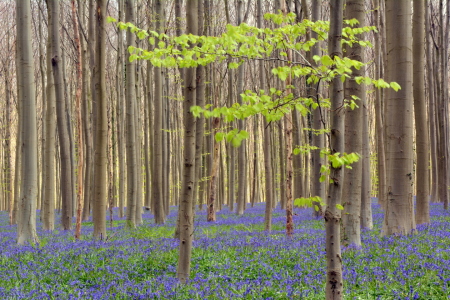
(334, 282)
(351, 194)
(318, 140)
(121, 116)
(366, 200)
(26, 229)
(420, 115)
(200, 101)
(157, 182)
(131, 145)
(242, 160)
(431, 109)
(379, 132)
(399, 217)
(185, 209)
(211, 211)
(62, 121)
(101, 126)
(79, 120)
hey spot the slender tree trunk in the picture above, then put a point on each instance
(101, 126)
(130, 7)
(351, 194)
(26, 229)
(381, 159)
(318, 188)
(366, 200)
(185, 209)
(242, 160)
(157, 182)
(79, 120)
(62, 121)
(399, 217)
(334, 282)
(87, 112)
(431, 109)
(212, 198)
(121, 116)
(420, 114)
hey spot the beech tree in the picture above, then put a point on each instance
(353, 135)
(399, 216)
(420, 115)
(62, 124)
(26, 229)
(101, 127)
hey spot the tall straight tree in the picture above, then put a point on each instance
(132, 168)
(185, 210)
(200, 95)
(267, 140)
(242, 160)
(101, 126)
(379, 123)
(157, 180)
(399, 216)
(354, 9)
(420, 115)
(318, 140)
(49, 180)
(78, 95)
(66, 186)
(431, 109)
(26, 229)
(332, 215)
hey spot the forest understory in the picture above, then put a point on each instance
(233, 258)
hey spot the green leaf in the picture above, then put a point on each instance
(141, 35)
(395, 86)
(233, 65)
(219, 136)
(340, 207)
(110, 19)
(326, 60)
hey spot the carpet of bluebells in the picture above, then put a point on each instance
(233, 258)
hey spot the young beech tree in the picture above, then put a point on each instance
(245, 42)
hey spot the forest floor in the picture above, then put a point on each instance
(233, 258)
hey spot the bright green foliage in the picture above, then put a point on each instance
(246, 42)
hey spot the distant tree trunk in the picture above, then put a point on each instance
(318, 140)
(157, 182)
(7, 170)
(351, 194)
(121, 116)
(441, 97)
(242, 159)
(212, 197)
(101, 126)
(420, 113)
(185, 209)
(132, 168)
(26, 229)
(87, 112)
(267, 140)
(366, 200)
(62, 121)
(79, 120)
(334, 281)
(431, 108)
(200, 130)
(379, 113)
(399, 217)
